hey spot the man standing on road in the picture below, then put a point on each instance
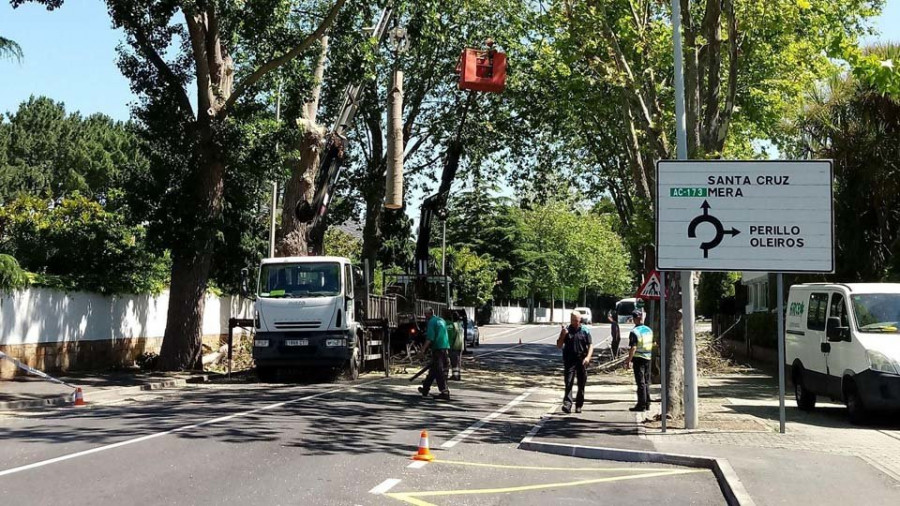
(437, 339)
(575, 342)
(640, 350)
(457, 346)
(615, 333)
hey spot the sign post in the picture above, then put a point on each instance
(663, 380)
(768, 216)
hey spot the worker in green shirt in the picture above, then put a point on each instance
(437, 339)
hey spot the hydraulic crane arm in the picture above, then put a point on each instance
(436, 204)
(330, 166)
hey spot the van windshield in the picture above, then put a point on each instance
(877, 312)
(321, 279)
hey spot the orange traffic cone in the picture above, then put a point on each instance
(79, 398)
(424, 453)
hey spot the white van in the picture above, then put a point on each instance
(842, 341)
(586, 317)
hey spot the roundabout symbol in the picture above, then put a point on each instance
(712, 220)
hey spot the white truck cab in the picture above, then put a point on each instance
(842, 341)
(304, 313)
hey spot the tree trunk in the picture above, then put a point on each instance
(293, 238)
(374, 208)
(181, 347)
(674, 348)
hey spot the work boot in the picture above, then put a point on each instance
(638, 408)
(578, 409)
(567, 409)
(423, 391)
(443, 396)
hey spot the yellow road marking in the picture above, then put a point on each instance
(540, 468)
(413, 497)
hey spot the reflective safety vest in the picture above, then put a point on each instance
(644, 342)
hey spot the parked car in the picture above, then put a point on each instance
(624, 308)
(842, 342)
(473, 336)
(586, 317)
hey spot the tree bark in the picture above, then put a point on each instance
(674, 348)
(181, 348)
(292, 238)
(375, 188)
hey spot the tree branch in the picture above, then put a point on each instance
(733, 56)
(271, 65)
(197, 32)
(146, 47)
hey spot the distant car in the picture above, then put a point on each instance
(624, 308)
(586, 317)
(473, 337)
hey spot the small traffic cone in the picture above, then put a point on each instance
(424, 453)
(79, 398)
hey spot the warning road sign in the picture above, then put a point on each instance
(773, 216)
(651, 287)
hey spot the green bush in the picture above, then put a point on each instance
(76, 244)
(12, 276)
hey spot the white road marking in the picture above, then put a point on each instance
(385, 486)
(419, 464)
(481, 423)
(178, 429)
(540, 425)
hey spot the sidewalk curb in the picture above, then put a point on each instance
(732, 488)
(94, 395)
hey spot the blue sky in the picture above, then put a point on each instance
(70, 56)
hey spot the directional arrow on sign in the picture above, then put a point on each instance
(712, 220)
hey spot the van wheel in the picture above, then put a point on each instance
(856, 411)
(354, 364)
(806, 400)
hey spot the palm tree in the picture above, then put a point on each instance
(10, 50)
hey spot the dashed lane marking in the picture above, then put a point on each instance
(181, 429)
(385, 486)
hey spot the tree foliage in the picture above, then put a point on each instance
(12, 276)
(849, 120)
(76, 244)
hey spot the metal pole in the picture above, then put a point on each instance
(687, 277)
(780, 315)
(662, 352)
(275, 183)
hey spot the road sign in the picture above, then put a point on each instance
(772, 216)
(650, 288)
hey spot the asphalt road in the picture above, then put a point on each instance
(335, 443)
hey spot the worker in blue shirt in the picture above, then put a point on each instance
(439, 341)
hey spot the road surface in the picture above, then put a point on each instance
(335, 443)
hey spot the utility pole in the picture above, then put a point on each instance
(687, 277)
(275, 182)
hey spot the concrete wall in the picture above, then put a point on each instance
(517, 314)
(53, 330)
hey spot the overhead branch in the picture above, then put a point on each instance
(275, 63)
(196, 23)
(734, 49)
(145, 47)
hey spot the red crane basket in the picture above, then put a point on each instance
(481, 70)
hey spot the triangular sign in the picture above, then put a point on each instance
(651, 287)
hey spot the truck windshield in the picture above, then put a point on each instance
(300, 280)
(877, 312)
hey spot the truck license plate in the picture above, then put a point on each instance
(297, 342)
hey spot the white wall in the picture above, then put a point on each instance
(517, 314)
(40, 315)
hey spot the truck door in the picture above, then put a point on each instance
(814, 358)
(350, 305)
(842, 353)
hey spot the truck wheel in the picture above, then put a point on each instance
(806, 400)
(266, 373)
(355, 363)
(856, 411)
